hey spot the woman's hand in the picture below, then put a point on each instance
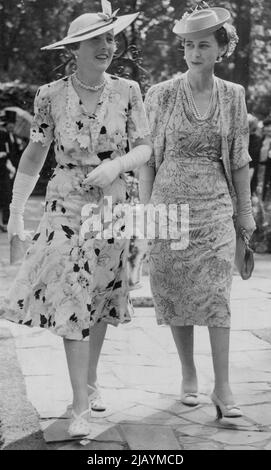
(16, 226)
(247, 222)
(241, 183)
(104, 174)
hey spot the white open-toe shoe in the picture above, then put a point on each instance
(189, 398)
(95, 400)
(79, 426)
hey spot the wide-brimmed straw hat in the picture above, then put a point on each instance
(89, 25)
(201, 22)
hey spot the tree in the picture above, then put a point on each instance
(259, 89)
(27, 25)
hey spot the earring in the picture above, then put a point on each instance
(218, 60)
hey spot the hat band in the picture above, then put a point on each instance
(93, 30)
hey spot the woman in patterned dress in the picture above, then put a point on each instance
(200, 135)
(73, 279)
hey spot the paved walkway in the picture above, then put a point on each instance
(140, 377)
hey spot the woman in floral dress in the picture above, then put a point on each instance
(73, 279)
(200, 138)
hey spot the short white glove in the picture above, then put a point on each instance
(22, 188)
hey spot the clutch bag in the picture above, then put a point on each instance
(244, 257)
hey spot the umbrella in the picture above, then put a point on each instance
(23, 121)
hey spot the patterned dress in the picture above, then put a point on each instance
(73, 275)
(191, 286)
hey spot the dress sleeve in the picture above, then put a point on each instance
(42, 128)
(239, 155)
(137, 124)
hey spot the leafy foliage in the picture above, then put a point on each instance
(27, 25)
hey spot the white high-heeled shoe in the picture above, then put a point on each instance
(226, 411)
(79, 425)
(189, 398)
(95, 400)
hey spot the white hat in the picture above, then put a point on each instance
(89, 25)
(201, 22)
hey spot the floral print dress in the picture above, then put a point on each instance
(191, 286)
(72, 276)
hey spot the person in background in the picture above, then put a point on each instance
(265, 155)
(254, 149)
(15, 144)
(7, 172)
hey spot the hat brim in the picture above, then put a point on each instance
(180, 27)
(117, 26)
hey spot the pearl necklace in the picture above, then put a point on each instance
(192, 104)
(88, 87)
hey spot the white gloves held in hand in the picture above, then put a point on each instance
(104, 174)
(109, 170)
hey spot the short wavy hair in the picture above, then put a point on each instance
(225, 36)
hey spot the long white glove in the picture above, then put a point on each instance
(241, 182)
(22, 188)
(108, 171)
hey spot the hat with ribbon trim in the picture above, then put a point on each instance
(89, 25)
(201, 22)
